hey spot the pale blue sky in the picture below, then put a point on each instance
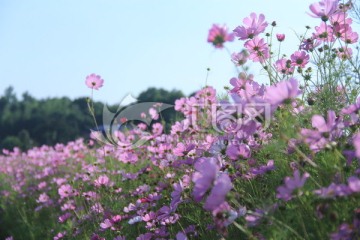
(48, 47)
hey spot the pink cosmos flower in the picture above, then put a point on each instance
(102, 180)
(344, 53)
(282, 91)
(310, 44)
(157, 129)
(258, 49)
(240, 58)
(203, 178)
(234, 152)
(324, 33)
(356, 143)
(43, 198)
(354, 184)
(65, 191)
(327, 130)
(238, 84)
(345, 231)
(218, 35)
(218, 193)
(284, 66)
(253, 26)
(324, 9)
(280, 37)
(333, 191)
(64, 217)
(94, 81)
(340, 18)
(97, 208)
(60, 235)
(154, 114)
(291, 184)
(106, 224)
(299, 58)
(349, 36)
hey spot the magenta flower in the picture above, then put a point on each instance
(203, 178)
(333, 190)
(102, 180)
(354, 184)
(344, 53)
(323, 9)
(64, 217)
(106, 224)
(235, 152)
(240, 58)
(280, 37)
(326, 131)
(218, 35)
(263, 169)
(310, 44)
(176, 195)
(253, 26)
(94, 81)
(340, 18)
(60, 235)
(323, 126)
(258, 49)
(291, 184)
(218, 193)
(65, 191)
(157, 129)
(282, 91)
(154, 114)
(345, 232)
(299, 59)
(181, 236)
(324, 33)
(43, 198)
(284, 66)
(356, 143)
(349, 37)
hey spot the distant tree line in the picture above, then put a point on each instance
(29, 122)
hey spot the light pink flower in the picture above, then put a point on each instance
(300, 59)
(154, 114)
(340, 18)
(344, 53)
(106, 224)
(97, 208)
(324, 33)
(253, 26)
(282, 91)
(284, 66)
(60, 235)
(65, 191)
(218, 35)
(157, 129)
(43, 198)
(323, 9)
(349, 36)
(356, 143)
(258, 49)
(102, 180)
(94, 81)
(240, 58)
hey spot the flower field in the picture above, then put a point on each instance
(275, 160)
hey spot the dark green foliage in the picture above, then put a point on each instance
(30, 122)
